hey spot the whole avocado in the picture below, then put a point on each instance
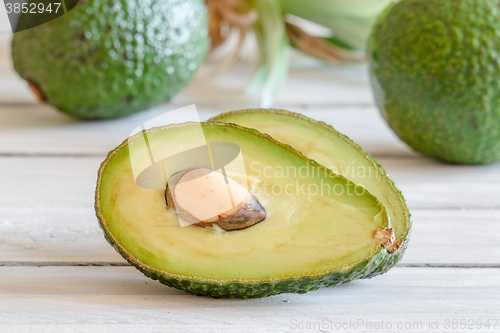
(107, 59)
(435, 71)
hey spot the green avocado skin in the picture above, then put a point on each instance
(435, 71)
(107, 59)
(271, 288)
(380, 263)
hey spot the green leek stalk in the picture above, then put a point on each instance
(350, 22)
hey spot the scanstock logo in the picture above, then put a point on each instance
(26, 14)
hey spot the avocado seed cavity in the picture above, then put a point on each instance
(203, 197)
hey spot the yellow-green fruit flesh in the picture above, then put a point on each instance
(434, 69)
(338, 153)
(307, 240)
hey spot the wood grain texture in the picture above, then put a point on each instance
(46, 181)
(427, 183)
(463, 237)
(48, 167)
(69, 236)
(325, 86)
(61, 235)
(51, 132)
(46, 210)
(122, 295)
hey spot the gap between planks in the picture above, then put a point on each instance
(237, 106)
(124, 264)
(83, 155)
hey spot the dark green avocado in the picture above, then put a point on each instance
(107, 59)
(435, 69)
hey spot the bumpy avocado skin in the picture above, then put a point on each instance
(378, 264)
(434, 69)
(265, 288)
(106, 59)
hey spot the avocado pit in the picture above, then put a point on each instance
(204, 198)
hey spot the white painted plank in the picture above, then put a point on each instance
(69, 182)
(4, 23)
(121, 295)
(460, 237)
(308, 84)
(5, 38)
(46, 210)
(428, 183)
(35, 129)
(53, 235)
(38, 129)
(48, 182)
(67, 235)
(12, 88)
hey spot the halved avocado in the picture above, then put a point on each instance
(335, 151)
(320, 228)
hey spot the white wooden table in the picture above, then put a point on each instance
(58, 274)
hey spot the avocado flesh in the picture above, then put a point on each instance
(106, 59)
(304, 242)
(323, 144)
